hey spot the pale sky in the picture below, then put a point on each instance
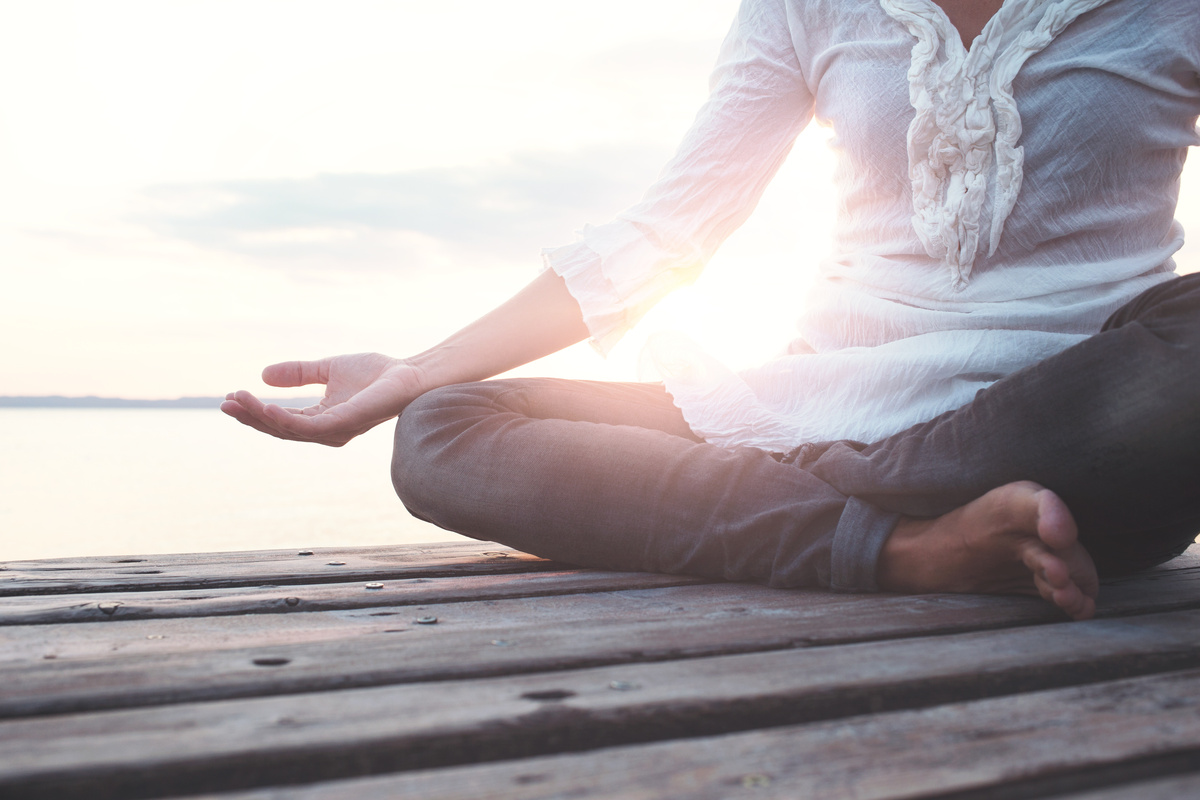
(192, 190)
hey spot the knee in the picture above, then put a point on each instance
(424, 431)
(418, 420)
(1156, 338)
(407, 447)
(1169, 311)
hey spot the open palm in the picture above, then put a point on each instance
(361, 391)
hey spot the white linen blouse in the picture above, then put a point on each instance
(995, 204)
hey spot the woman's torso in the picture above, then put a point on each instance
(996, 204)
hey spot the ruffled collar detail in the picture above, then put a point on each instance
(967, 119)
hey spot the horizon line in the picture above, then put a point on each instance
(95, 401)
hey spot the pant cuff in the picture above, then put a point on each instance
(857, 542)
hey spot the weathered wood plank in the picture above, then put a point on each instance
(1156, 592)
(147, 662)
(555, 615)
(1019, 746)
(145, 603)
(1189, 560)
(226, 745)
(111, 606)
(1178, 788)
(253, 568)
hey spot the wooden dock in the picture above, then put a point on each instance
(472, 671)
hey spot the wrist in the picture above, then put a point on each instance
(437, 367)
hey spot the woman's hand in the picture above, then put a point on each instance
(365, 389)
(361, 391)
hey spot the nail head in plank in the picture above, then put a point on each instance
(336, 734)
(1166, 590)
(207, 570)
(541, 634)
(251, 568)
(166, 604)
(1063, 738)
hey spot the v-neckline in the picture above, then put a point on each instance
(966, 124)
(967, 47)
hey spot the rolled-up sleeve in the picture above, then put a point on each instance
(758, 104)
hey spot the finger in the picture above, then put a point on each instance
(248, 401)
(331, 424)
(279, 422)
(286, 419)
(306, 410)
(268, 418)
(257, 415)
(239, 413)
(297, 373)
(324, 429)
(311, 411)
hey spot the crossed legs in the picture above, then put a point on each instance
(1094, 451)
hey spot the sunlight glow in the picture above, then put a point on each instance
(164, 228)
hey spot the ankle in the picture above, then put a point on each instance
(904, 559)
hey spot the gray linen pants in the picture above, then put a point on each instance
(609, 475)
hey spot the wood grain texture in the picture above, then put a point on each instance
(216, 672)
(1177, 788)
(167, 604)
(147, 662)
(503, 600)
(232, 744)
(253, 568)
(286, 567)
(1190, 559)
(1035, 744)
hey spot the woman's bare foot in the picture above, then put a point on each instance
(1017, 539)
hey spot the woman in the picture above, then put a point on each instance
(1000, 321)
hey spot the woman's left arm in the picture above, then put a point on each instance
(758, 103)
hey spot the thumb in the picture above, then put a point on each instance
(297, 373)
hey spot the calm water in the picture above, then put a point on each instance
(131, 481)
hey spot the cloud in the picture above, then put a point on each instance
(365, 221)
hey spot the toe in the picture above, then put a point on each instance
(1044, 589)
(1045, 565)
(1055, 525)
(1083, 571)
(1069, 599)
(1074, 602)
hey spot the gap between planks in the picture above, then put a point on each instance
(154, 603)
(175, 604)
(485, 639)
(1031, 738)
(252, 568)
(1039, 744)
